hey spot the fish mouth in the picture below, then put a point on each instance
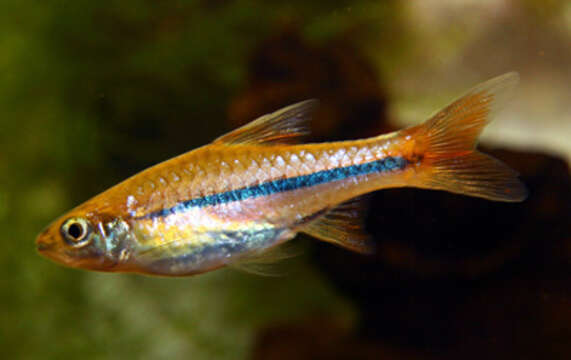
(43, 246)
(45, 242)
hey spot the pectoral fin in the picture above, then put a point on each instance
(264, 261)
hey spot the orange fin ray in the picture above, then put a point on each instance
(476, 174)
(458, 126)
(343, 226)
(285, 126)
(446, 144)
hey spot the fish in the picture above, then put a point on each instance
(236, 201)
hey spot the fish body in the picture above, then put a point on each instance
(232, 201)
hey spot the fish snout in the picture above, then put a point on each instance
(45, 241)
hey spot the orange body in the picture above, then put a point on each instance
(231, 201)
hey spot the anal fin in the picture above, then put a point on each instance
(343, 226)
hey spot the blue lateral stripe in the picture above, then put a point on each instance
(289, 184)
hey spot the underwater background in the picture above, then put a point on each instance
(92, 92)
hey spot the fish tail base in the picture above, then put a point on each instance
(445, 152)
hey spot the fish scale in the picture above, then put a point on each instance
(221, 174)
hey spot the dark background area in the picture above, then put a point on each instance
(91, 93)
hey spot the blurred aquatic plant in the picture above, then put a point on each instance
(90, 93)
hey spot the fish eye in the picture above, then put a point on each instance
(76, 231)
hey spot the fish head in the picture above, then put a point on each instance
(86, 240)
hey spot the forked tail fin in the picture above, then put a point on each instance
(445, 146)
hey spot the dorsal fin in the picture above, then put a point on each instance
(343, 226)
(286, 125)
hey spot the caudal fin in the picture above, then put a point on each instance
(445, 146)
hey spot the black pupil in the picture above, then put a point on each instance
(75, 231)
